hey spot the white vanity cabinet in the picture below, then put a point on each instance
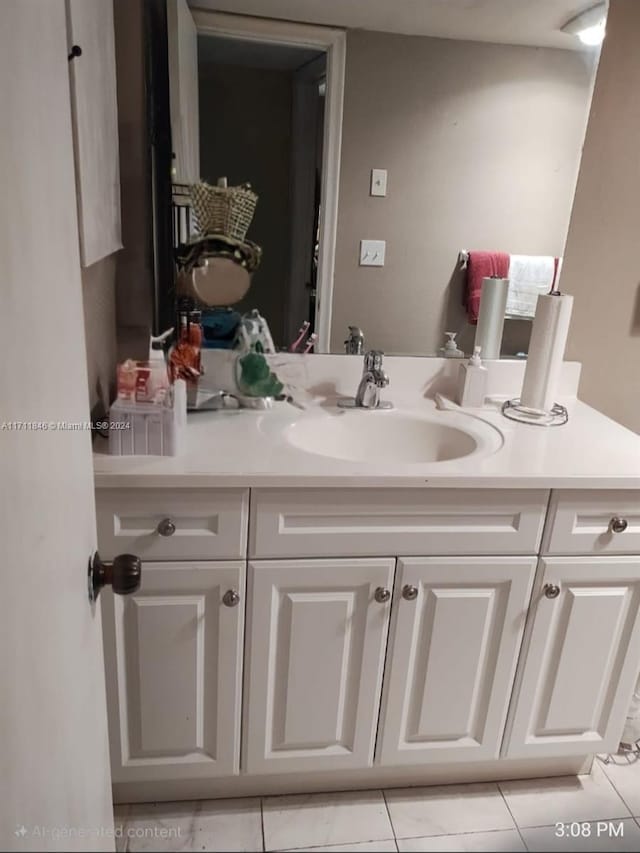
(455, 638)
(174, 649)
(173, 657)
(185, 524)
(316, 640)
(581, 658)
(398, 634)
(581, 651)
(401, 522)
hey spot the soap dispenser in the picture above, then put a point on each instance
(450, 349)
(472, 381)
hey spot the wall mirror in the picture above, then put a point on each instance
(388, 142)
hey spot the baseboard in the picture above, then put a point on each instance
(367, 778)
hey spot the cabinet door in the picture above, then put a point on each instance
(315, 654)
(457, 628)
(173, 654)
(581, 659)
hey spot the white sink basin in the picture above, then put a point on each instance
(392, 436)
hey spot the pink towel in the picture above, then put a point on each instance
(482, 265)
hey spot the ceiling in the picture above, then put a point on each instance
(530, 22)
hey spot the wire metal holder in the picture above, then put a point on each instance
(633, 747)
(515, 411)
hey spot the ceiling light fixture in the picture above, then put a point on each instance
(588, 26)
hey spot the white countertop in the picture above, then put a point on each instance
(247, 448)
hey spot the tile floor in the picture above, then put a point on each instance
(509, 816)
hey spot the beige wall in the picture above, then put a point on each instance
(134, 265)
(482, 144)
(245, 134)
(117, 291)
(602, 268)
(99, 302)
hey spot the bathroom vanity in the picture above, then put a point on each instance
(308, 623)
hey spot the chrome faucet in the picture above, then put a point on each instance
(354, 345)
(373, 379)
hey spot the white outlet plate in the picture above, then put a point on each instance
(378, 182)
(372, 253)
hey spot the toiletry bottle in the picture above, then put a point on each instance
(472, 381)
(185, 356)
(450, 349)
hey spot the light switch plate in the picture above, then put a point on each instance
(372, 253)
(378, 182)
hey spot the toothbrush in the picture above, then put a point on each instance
(311, 342)
(302, 331)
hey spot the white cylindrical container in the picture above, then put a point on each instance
(493, 304)
(546, 351)
(472, 379)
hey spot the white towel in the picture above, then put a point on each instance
(529, 276)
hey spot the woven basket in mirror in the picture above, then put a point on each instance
(223, 210)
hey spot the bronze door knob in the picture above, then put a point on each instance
(123, 574)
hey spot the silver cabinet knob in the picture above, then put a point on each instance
(166, 527)
(410, 592)
(381, 595)
(618, 525)
(231, 598)
(551, 590)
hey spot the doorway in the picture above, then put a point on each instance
(270, 97)
(261, 119)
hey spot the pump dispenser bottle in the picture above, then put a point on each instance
(450, 349)
(472, 381)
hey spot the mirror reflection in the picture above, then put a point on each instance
(365, 182)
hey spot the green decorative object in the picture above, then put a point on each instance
(255, 378)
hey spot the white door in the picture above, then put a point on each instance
(316, 639)
(582, 659)
(173, 653)
(95, 123)
(54, 759)
(456, 632)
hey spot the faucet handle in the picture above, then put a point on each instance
(373, 359)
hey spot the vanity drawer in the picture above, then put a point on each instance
(196, 524)
(584, 522)
(398, 522)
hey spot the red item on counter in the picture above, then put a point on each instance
(185, 358)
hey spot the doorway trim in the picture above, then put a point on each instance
(333, 42)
